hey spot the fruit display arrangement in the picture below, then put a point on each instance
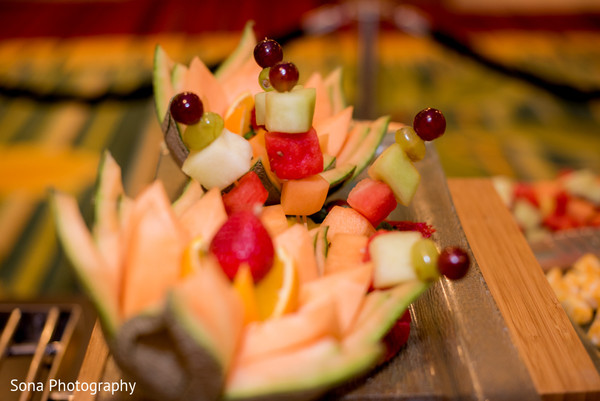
(254, 283)
(578, 290)
(569, 201)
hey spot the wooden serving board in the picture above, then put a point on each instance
(558, 363)
(497, 334)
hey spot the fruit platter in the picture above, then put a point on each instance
(287, 251)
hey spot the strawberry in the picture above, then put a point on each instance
(243, 239)
(397, 337)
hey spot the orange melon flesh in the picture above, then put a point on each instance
(274, 219)
(204, 217)
(202, 82)
(191, 194)
(347, 220)
(345, 252)
(297, 242)
(309, 371)
(347, 287)
(244, 80)
(155, 244)
(353, 140)
(323, 108)
(315, 320)
(215, 306)
(336, 128)
(304, 196)
(99, 281)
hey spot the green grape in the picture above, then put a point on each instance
(200, 135)
(411, 143)
(424, 256)
(263, 79)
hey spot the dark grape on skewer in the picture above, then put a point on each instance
(186, 108)
(284, 76)
(267, 53)
(429, 124)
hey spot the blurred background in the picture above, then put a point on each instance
(518, 82)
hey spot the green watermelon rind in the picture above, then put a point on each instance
(362, 156)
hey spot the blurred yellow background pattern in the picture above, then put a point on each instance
(63, 101)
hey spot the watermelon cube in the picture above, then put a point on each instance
(294, 156)
(248, 192)
(373, 199)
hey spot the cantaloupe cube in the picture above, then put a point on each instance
(346, 220)
(274, 219)
(304, 196)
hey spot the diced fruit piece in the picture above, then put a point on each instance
(260, 107)
(283, 76)
(268, 52)
(277, 292)
(304, 196)
(424, 255)
(429, 124)
(373, 199)
(186, 108)
(346, 220)
(391, 255)
(395, 169)
(411, 143)
(294, 156)
(247, 193)
(297, 243)
(293, 331)
(244, 285)
(243, 239)
(199, 136)
(346, 251)
(453, 262)
(192, 192)
(230, 152)
(397, 337)
(291, 111)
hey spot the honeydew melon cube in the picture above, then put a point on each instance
(221, 163)
(290, 112)
(259, 107)
(395, 169)
(391, 256)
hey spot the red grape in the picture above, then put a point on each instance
(187, 108)
(267, 53)
(453, 262)
(284, 76)
(429, 124)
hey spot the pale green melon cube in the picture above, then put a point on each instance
(291, 112)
